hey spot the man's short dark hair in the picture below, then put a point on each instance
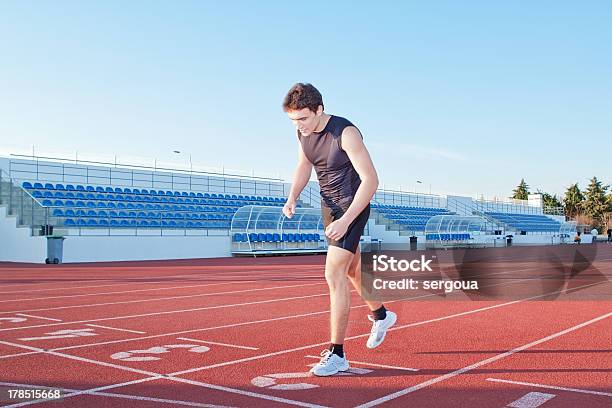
(302, 96)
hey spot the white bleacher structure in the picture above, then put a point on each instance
(107, 211)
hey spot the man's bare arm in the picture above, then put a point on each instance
(352, 144)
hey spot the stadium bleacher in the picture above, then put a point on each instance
(407, 217)
(123, 207)
(526, 222)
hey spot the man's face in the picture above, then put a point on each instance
(305, 120)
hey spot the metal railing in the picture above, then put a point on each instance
(28, 210)
(500, 206)
(458, 206)
(395, 197)
(57, 170)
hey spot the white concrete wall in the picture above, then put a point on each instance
(130, 248)
(17, 244)
(388, 237)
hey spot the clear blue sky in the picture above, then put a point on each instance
(466, 96)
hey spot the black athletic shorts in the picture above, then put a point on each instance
(350, 240)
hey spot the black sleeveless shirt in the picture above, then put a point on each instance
(338, 178)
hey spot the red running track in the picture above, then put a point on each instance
(243, 332)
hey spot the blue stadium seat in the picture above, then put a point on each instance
(27, 185)
(39, 186)
(49, 186)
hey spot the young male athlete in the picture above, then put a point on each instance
(348, 181)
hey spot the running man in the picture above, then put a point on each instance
(348, 181)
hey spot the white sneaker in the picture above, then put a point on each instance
(330, 364)
(379, 329)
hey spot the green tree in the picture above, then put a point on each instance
(550, 200)
(521, 192)
(572, 202)
(595, 200)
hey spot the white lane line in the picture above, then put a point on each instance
(531, 400)
(246, 393)
(375, 365)
(39, 317)
(154, 300)
(114, 328)
(308, 315)
(292, 317)
(19, 354)
(551, 387)
(118, 292)
(240, 291)
(219, 344)
(178, 311)
(71, 393)
(222, 276)
(216, 272)
(153, 376)
(463, 370)
(225, 326)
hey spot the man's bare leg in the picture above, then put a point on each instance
(382, 319)
(354, 275)
(336, 269)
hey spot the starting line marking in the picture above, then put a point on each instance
(376, 365)
(531, 400)
(39, 317)
(13, 319)
(269, 380)
(218, 344)
(127, 355)
(552, 387)
(63, 334)
(151, 376)
(114, 328)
